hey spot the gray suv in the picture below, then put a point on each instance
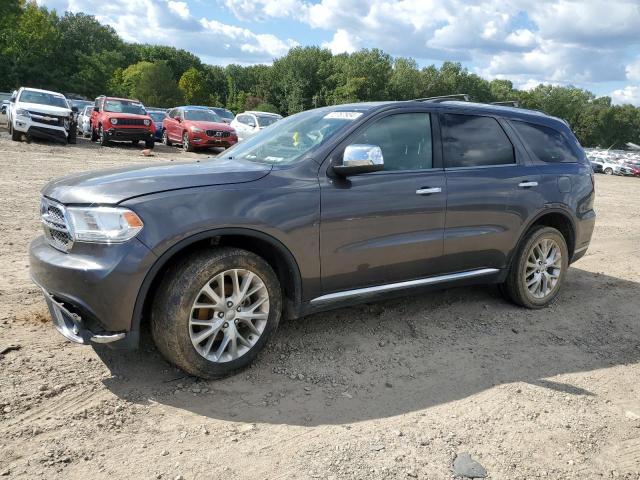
(327, 208)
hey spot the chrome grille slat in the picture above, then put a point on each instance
(217, 133)
(56, 228)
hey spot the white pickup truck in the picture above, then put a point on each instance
(40, 113)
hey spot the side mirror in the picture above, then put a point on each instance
(96, 109)
(251, 124)
(178, 119)
(360, 159)
(74, 109)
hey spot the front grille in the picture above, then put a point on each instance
(56, 227)
(218, 133)
(47, 119)
(130, 121)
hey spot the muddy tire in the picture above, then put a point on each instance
(204, 317)
(538, 268)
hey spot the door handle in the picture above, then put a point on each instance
(428, 191)
(527, 184)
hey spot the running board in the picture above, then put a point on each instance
(402, 285)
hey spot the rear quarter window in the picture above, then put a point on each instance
(547, 144)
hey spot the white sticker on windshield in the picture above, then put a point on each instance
(273, 159)
(343, 115)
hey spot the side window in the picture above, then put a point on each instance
(547, 144)
(171, 112)
(405, 140)
(474, 141)
(97, 103)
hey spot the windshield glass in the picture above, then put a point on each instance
(43, 98)
(201, 116)
(289, 139)
(124, 106)
(224, 113)
(265, 121)
(157, 116)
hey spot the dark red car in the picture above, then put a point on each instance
(195, 128)
(121, 120)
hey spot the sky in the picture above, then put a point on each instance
(593, 44)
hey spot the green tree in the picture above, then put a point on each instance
(152, 84)
(193, 85)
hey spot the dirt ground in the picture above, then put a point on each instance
(387, 390)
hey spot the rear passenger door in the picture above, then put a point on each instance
(492, 189)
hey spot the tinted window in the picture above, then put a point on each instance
(265, 121)
(405, 140)
(201, 115)
(471, 141)
(547, 144)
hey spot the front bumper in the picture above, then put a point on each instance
(205, 141)
(91, 290)
(129, 134)
(40, 130)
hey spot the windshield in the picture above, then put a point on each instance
(43, 98)
(157, 116)
(124, 106)
(289, 139)
(201, 116)
(224, 113)
(265, 121)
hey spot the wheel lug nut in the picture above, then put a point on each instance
(229, 304)
(225, 325)
(220, 314)
(235, 321)
(238, 309)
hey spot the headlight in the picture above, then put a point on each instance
(103, 224)
(22, 113)
(196, 130)
(147, 122)
(114, 121)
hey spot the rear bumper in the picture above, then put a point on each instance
(584, 232)
(129, 134)
(91, 290)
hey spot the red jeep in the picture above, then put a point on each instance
(121, 120)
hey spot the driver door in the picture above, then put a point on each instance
(386, 226)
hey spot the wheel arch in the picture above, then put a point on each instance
(266, 246)
(556, 217)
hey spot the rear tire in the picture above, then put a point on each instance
(134, 143)
(149, 143)
(538, 268)
(93, 134)
(177, 324)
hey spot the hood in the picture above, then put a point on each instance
(127, 115)
(209, 125)
(116, 185)
(38, 107)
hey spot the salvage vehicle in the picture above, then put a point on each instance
(84, 121)
(41, 114)
(121, 120)
(157, 115)
(196, 128)
(249, 123)
(327, 208)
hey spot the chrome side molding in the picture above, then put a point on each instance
(402, 285)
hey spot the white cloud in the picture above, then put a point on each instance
(629, 94)
(633, 70)
(179, 8)
(172, 23)
(342, 42)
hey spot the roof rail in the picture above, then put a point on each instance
(507, 103)
(445, 98)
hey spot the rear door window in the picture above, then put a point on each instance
(474, 141)
(547, 144)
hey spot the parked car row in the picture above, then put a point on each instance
(46, 114)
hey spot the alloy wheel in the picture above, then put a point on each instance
(185, 142)
(544, 265)
(229, 315)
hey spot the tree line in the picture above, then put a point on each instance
(75, 54)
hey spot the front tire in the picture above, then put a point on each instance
(15, 136)
(186, 145)
(149, 143)
(104, 141)
(538, 269)
(608, 171)
(165, 138)
(215, 310)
